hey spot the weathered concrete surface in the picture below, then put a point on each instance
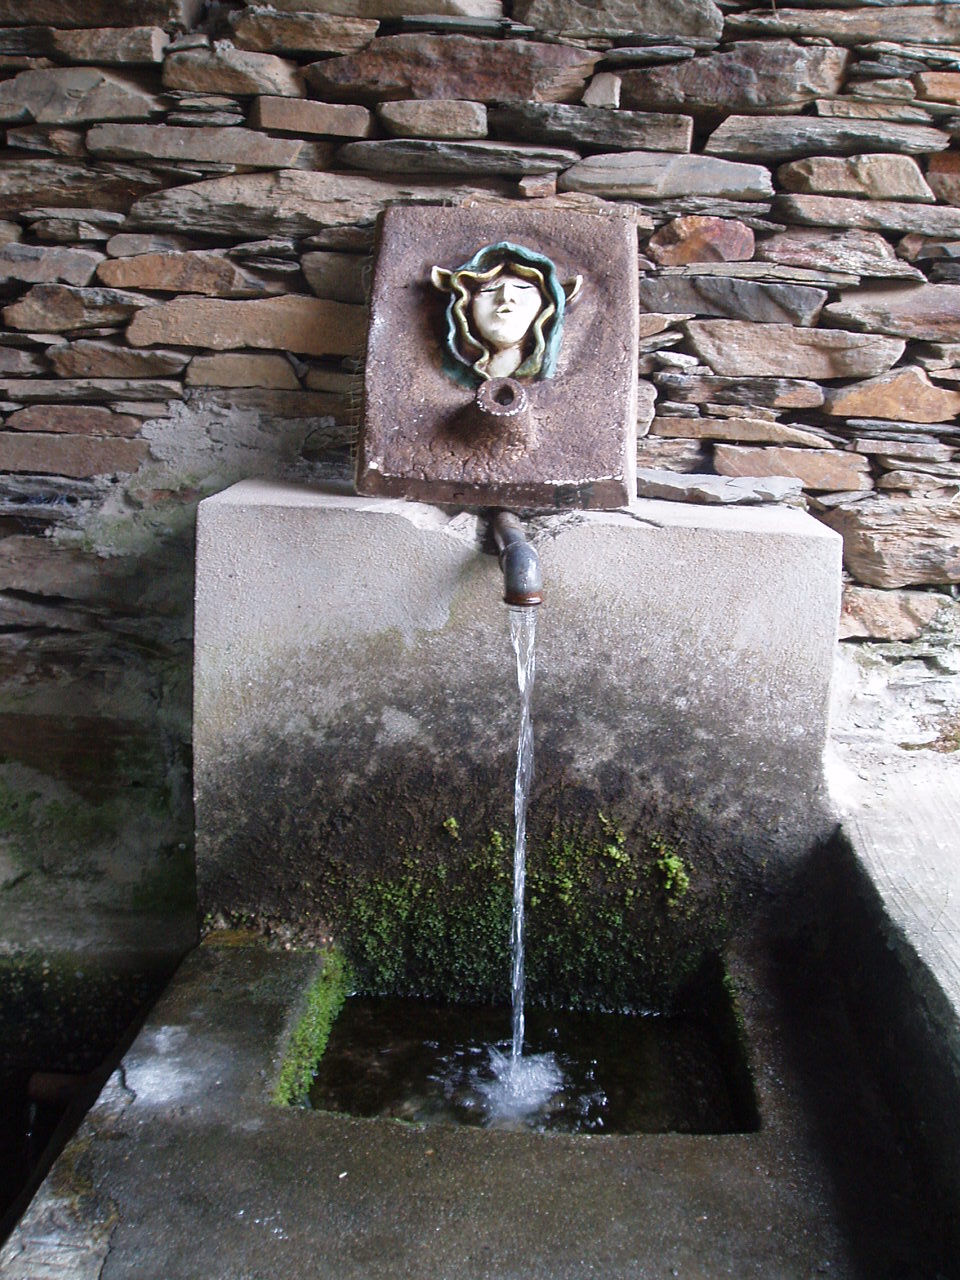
(892, 769)
(184, 1169)
(353, 674)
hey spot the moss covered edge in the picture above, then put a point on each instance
(304, 1048)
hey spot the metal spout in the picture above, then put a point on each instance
(522, 581)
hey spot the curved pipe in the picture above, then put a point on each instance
(522, 581)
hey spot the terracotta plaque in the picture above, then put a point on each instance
(501, 361)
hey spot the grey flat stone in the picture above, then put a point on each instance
(638, 174)
(718, 490)
(579, 126)
(936, 24)
(698, 19)
(781, 393)
(875, 215)
(423, 156)
(291, 202)
(733, 298)
(768, 137)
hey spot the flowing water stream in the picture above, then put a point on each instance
(523, 631)
(520, 1086)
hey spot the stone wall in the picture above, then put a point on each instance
(188, 194)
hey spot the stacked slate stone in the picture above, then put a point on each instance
(189, 194)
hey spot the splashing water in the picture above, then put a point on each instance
(523, 630)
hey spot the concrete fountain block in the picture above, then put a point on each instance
(355, 685)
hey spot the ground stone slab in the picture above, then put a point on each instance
(198, 272)
(15, 361)
(585, 126)
(291, 202)
(62, 182)
(226, 69)
(871, 614)
(698, 19)
(123, 46)
(340, 276)
(905, 394)
(674, 486)
(930, 311)
(89, 390)
(819, 470)
(876, 215)
(603, 91)
(170, 142)
(892, 452)
(943, 174)
(74, 419)
(660, 174)
(297, 115)
(864, 253)
(735, 299)
(264, 30)
(850, 108)
(878, 177)
(783, 137)
(491, 10)
(933, 24)
(308, 326)
(43, 141)
(938, 86)
(75, 456)
(422, 156)
(91, 359)
(429, 66)
(99, 13)
(736, 348)
(899, 542)
(437, 118)
(750, 76)
(74, 95)
(246, 369)
(40, 265)
(54, 308)
(701, 238)
(747, 430)
(774, 393)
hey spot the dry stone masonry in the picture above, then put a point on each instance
(188, 195)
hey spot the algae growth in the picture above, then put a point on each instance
(304, 1049)
(613, 921)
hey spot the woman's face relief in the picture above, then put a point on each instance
(505, 314)
(504, 308)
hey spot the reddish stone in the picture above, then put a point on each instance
(432, 66)
(697, 238)
(77, 456)
(943, 176)
(74, 419)
(820, 470)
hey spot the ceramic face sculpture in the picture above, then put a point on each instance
(505, 315)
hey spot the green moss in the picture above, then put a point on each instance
(675, 880)
(614, 920)
(452, 828)
(304, 1049)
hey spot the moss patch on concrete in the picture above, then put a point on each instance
(612, 921)
(304, 1048)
